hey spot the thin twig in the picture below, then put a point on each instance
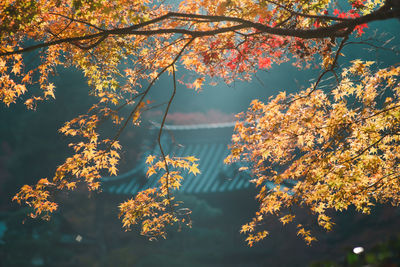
(160, 133)
(135, 109)
(330, 69)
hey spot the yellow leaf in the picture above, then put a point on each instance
(193, 169)
(50, 90)
(198, 83)
(150, 171)
(116, 145)
(191, 159)
(150, 159)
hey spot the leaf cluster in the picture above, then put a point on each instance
(336, 150)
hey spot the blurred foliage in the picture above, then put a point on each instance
(383, 254)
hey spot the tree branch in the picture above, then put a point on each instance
(335, 30)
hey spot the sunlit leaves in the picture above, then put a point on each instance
(228, 55)
(254, 238)
(341, 149)
(122, 45)
(305, 234)
(150, 159)
(91, 160)
(154, 208)
(37, 198)
(148, 208)
(287, 219)
(264, 63)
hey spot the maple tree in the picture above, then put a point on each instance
(340, 147)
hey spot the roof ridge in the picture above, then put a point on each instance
(195, 126)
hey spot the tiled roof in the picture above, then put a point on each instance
(207, 142)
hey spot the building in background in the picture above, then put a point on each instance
(207, 142)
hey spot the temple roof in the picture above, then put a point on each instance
(207, 142)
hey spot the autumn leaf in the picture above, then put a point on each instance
(49, 90)
(150, 171)
(197, 84)
(324, 177)
(194, 169)
(150, 159)
(264, 63)
(191, 159)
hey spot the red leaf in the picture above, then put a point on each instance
(264, 63)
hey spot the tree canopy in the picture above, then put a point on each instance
(337, 145)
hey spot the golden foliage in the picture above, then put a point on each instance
(340, 149)
(154, 207)
(339, 155)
